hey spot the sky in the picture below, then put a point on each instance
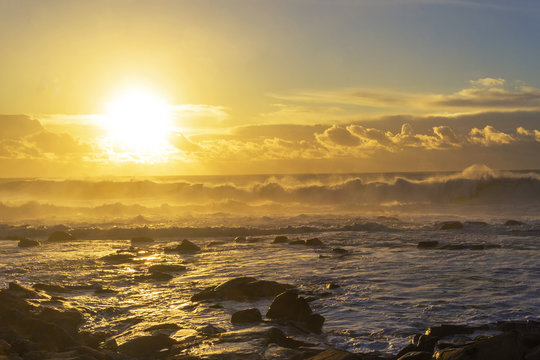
(173, 87)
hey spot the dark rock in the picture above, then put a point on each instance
(247, 316)
(427, 244)
(276, 336)
(155, 276)
(118, 258)
(28, 243)
(450, 330)
(331, 286)
(51, 287)
(168, 326)
(498, 347)
(186, 247)
(252, 240)
(333, 354)
(425, 342)
(281, 239)
(211, 330)
(477, 223)
(90, 338)
(137, 240)
(60, 236)
(241, 289)
(69, 320)
(297, 242)
(146, 346)
(240, 239)
(314, 323)
(313, 242)
(513, 223)
(453, 247)
(416, 355)
(289, 306)
(533, 354)
(23, 291)
(407, 349)
(215, 243)
(340, 251)
(450, 225)
(51, 337)
(166, 268)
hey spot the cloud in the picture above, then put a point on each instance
(489, 136)
(58, 144)
(488, 82)
(15, 126)
(532, 133)
(338, 136)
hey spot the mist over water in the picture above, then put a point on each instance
(477, 190)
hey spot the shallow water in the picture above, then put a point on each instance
(389, 288)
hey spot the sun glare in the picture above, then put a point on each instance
(138, 124)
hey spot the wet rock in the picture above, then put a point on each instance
(477, 223)
(425, 342)
(91, 338)
(146, 346)
(450, 330)
(333, 354)
(513, 223)
(416, 355)
(331, 286)
(289, 306)
(69, 320)
(497, 347)
(450, 225)
(166, 268)
(167, 326)
(247, 316)
(276, 336)
(215, 243)
(51, 288)
(210, 330)
(60, 236)
(533, 354)
(313, 242)
(141, 240)
(28, 243)
(427, 244)
(240, 239)
(281, 239)
(23, 291)
(155, 276)
(185, 247)
(454, 247)
(241, 289)
(118, 258)
(340, 251)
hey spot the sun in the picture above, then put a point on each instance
(138, 124)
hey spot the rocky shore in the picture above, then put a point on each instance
(37, 325)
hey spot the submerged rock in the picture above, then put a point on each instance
(28, 243)
(289, 306)
(146, 346)
(513, 223)
(154, 276)
(138, 240)
(166, 268)
(241, 289)
(118, 258)
(185, 247)
(247, 316)
(313, 242)
(280, 239)
(450, 225)
(60, 236)
(427, 244)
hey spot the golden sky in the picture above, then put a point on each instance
(132, 87)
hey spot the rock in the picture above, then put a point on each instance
(513, 223)
(281, 239)
(331, 286)
(214, 243)
(51, 287)
(167, 326)
(416, 355)
(210, 330)
(240, 239)
(340, 251)
(497, 347)
(314, 323)
(23, 291)
(427, 244)
(297, 242)
(477, 223)
(28, 243)
(289, 306)
(450, 330)
(333, 354)
(166, 268)
(118, 258)
(138, 240)
(146, 346)
(450, 225)
(425, 342)
(241, 289)
(91, 338)
(313, 242)
(186, 247)
(60, 236)
(69, 320)
(454, 247)
(276, 336)
(247, 316)
(533, 354)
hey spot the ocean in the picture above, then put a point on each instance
(406, 251)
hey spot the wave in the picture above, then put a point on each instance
(476, 185)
